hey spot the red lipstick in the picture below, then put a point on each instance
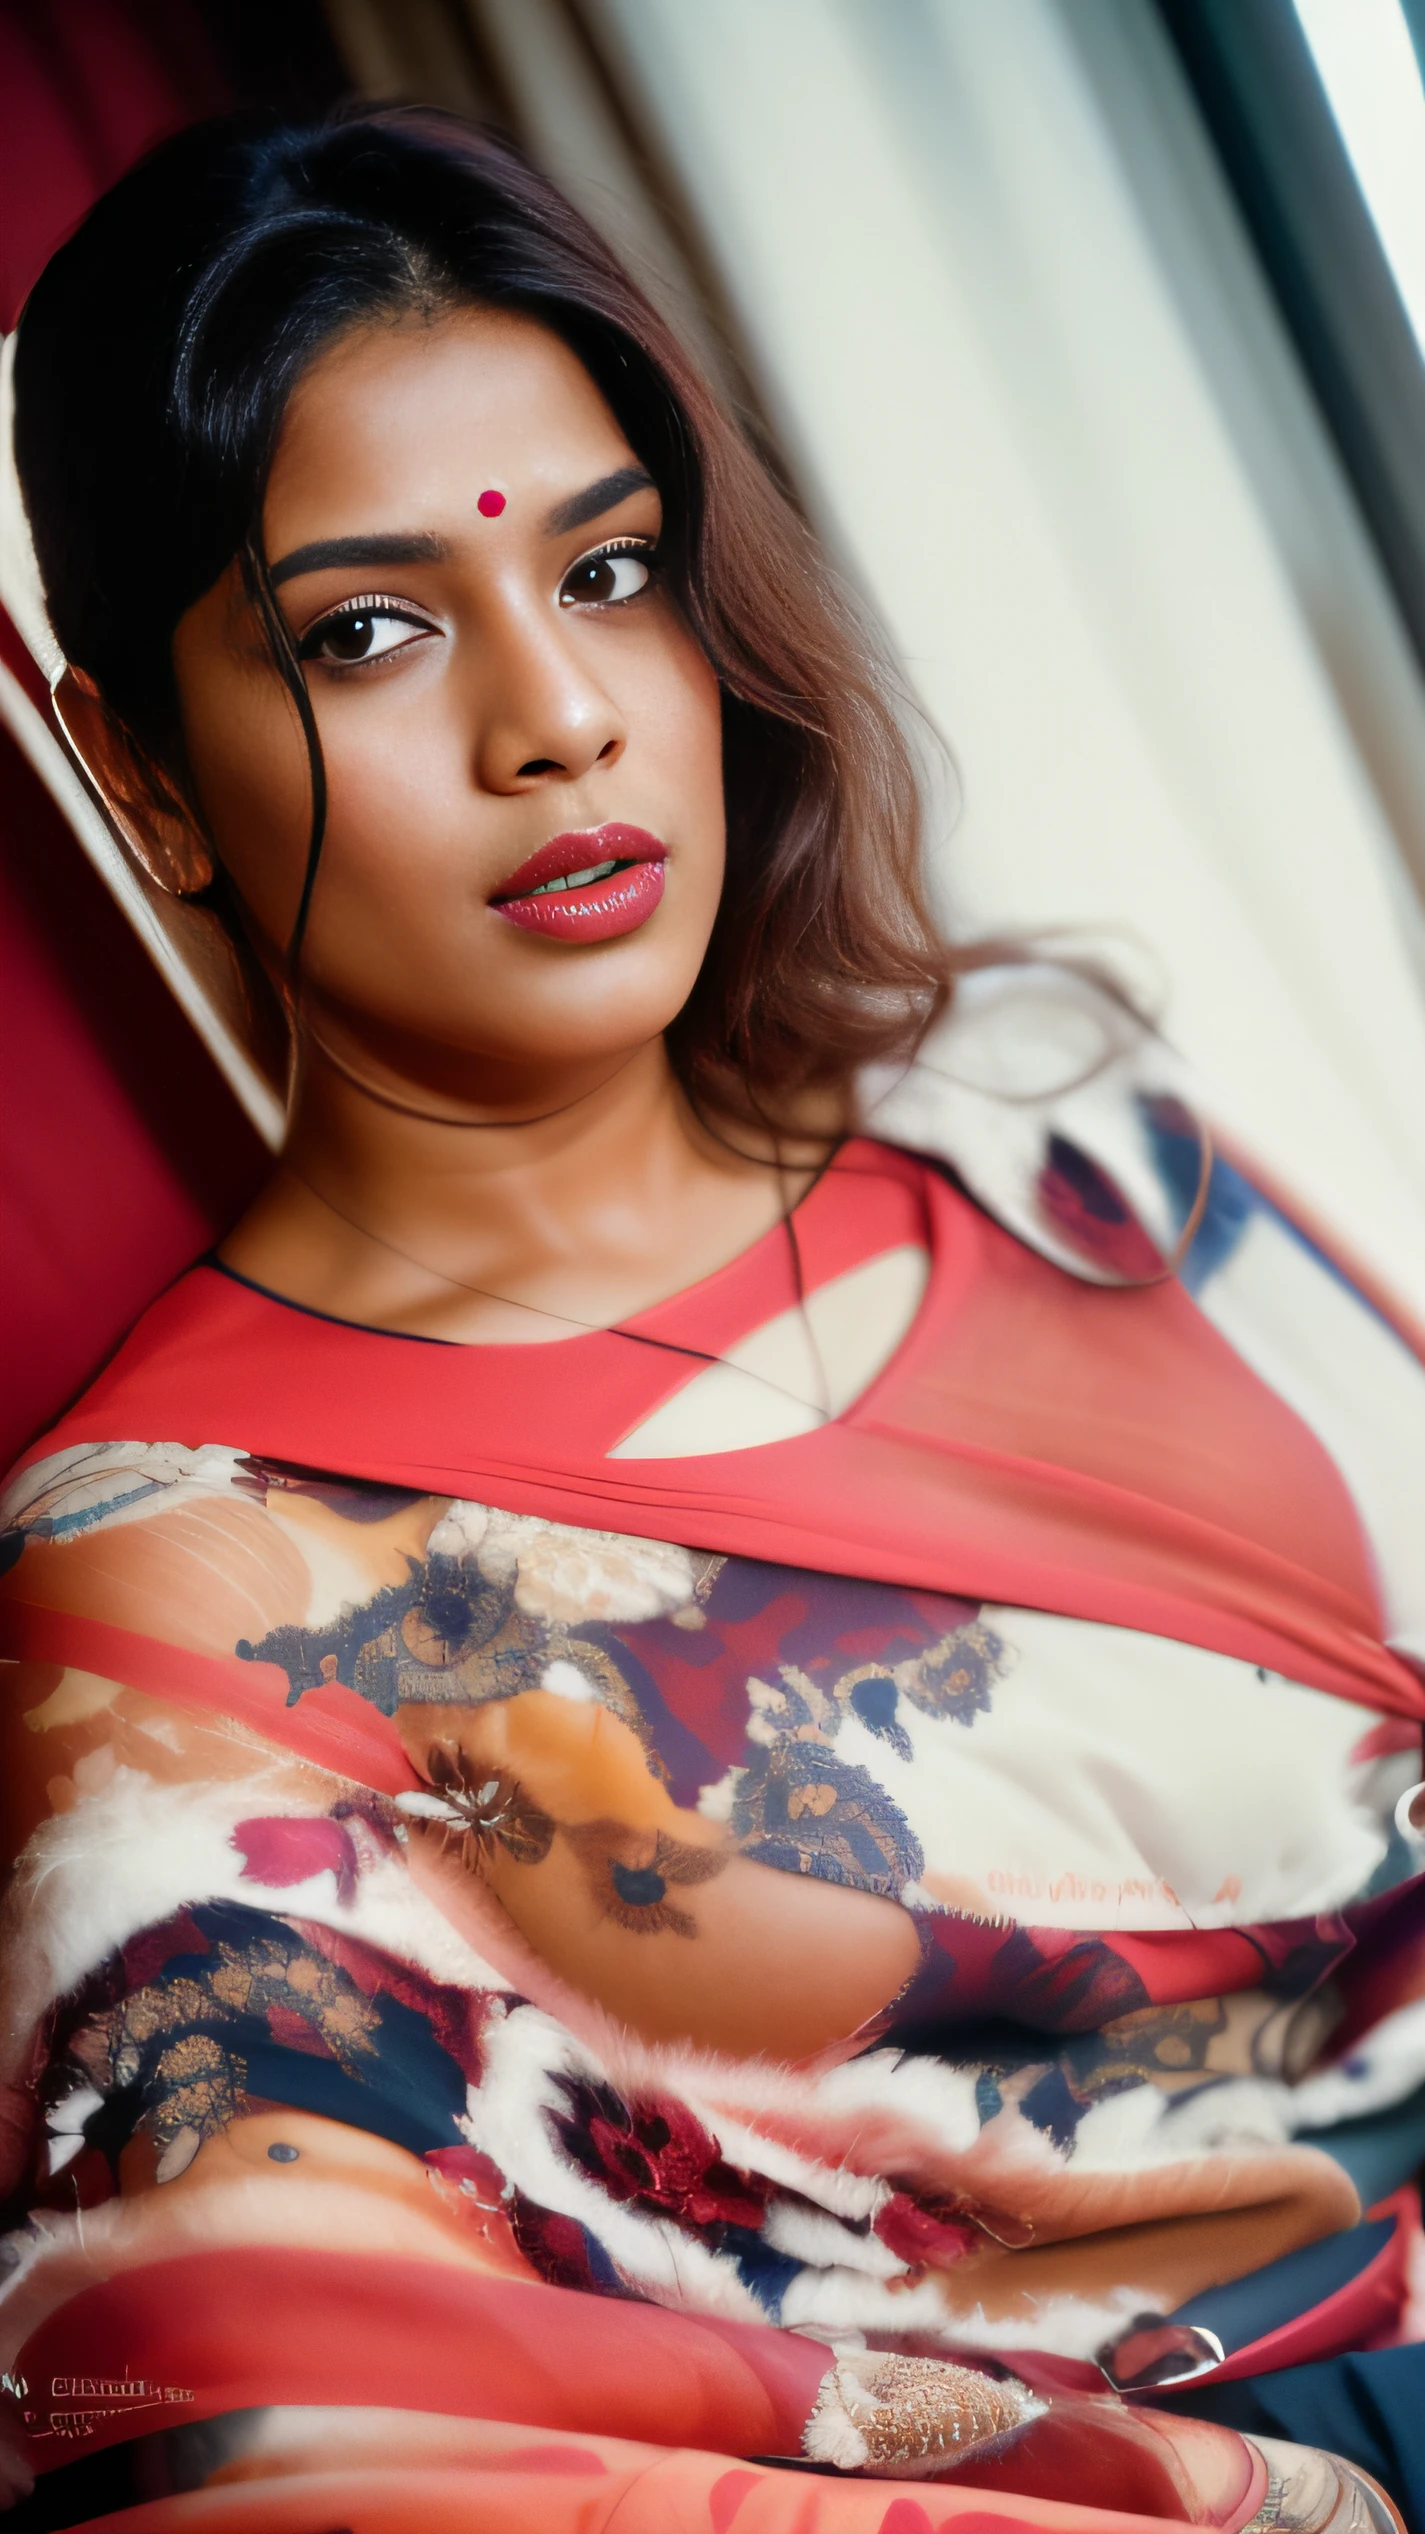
(589, 884)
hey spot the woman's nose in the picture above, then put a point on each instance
(544, 717)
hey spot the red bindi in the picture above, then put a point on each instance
(490, 504)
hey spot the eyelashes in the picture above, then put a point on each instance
(362, 629)
(610, 575)
(375, 626)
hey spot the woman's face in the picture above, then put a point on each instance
(463, 545)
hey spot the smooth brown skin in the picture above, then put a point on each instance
(506, 719)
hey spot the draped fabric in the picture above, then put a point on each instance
(1035, 1440)
(609, 1932)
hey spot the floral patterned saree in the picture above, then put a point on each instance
(642, 1933)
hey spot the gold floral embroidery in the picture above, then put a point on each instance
(485, 1807)
(192, 2081)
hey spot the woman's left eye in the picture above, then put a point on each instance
(360, 633)
(607, 576)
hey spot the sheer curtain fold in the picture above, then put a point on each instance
(965, 293)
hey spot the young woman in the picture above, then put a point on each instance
(702, 1804)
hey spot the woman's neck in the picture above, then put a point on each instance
(507, 1210)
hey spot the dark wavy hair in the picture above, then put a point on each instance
(155, 360)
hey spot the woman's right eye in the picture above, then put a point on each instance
(361, 632)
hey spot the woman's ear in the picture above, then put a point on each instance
(154, 822)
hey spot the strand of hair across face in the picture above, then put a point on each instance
(287, 661)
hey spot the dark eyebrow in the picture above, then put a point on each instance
(357, 553)
(595, 499)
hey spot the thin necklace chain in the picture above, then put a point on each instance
(595, 1328)
(821, 1408)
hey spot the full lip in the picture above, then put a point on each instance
(599, 910)
(579, 849)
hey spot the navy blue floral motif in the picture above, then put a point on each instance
(873, 1699)
(957, 1677)
(226, 2005)
(446, 1633)
(801, 1808)
(448, 1636)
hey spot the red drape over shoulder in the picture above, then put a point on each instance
(1097, 1452)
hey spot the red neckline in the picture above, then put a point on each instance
(689, 1299)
